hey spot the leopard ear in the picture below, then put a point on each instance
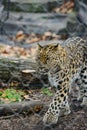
(60, 47)
(62, 50)
(56, 45)
(39, 46)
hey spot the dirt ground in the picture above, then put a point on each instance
(76, 120)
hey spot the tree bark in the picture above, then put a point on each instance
(15, 67)
(25, 106)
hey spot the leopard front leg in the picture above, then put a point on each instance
(59, 105)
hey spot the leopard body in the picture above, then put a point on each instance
(63, 62)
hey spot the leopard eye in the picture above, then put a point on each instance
(47, 58)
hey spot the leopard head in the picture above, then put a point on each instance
(44, 52)
(51, 57)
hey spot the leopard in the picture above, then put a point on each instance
(63, 62)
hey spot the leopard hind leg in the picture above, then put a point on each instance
(82, 84)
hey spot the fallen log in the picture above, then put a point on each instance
(20, 107)
(14, 67)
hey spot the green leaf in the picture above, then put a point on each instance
(12, 94)
(0, 93)
(47, 92)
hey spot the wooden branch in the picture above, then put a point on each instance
(25, 106)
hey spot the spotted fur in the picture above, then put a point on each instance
(64, 62)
